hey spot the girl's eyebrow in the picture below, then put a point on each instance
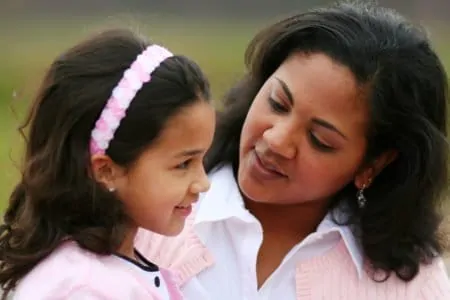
(192, 152)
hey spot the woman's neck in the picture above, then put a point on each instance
(284, 226)
(295, 220)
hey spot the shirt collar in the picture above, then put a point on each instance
(224, 201)
(352, 244)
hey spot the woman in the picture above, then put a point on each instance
(328, 165)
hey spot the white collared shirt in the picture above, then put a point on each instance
(234, 236)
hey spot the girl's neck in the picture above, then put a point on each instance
(127, 246)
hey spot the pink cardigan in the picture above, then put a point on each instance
(330, 276)
(73, 273)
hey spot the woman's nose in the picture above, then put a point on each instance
(280, 141)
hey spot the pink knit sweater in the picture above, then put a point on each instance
(74, 273)
(330, 277)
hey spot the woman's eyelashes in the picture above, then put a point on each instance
(318, 144)
(277, 106)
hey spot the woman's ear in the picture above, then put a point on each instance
(105, 171)
(365, 177)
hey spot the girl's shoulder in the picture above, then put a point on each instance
(64, 270)
(71, 272)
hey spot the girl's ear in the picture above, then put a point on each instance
(105, 171)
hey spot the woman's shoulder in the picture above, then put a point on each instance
(433, 281)
(337, 269)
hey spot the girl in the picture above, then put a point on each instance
(116, 138)
(328, 165)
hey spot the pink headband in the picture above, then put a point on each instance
(115, 109)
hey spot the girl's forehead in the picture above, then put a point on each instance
(188, 132)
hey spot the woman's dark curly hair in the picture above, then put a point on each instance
(56, 198)
(407, 88)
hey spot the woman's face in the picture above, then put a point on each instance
(304, 136)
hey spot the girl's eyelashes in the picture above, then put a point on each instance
(184, 165)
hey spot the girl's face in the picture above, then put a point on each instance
(304, 136)
(158, 190)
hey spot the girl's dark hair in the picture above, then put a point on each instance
(407, 98)
(57, 198)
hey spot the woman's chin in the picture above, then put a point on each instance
(256, 192)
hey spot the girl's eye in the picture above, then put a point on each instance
(277, 106)
(184, 165)
(320, 145)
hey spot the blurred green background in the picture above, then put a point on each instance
(33, 33)
(28, 50)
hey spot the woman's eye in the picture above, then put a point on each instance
(277, 106)
(320, 145)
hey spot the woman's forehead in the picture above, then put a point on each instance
(321, 88)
